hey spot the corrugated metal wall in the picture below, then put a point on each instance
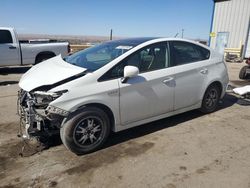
(233, 17)
(247, 49)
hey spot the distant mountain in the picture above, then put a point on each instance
(72, 39)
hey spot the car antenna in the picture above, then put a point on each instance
(176, 35)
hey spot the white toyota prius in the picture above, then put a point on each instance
(118, 85)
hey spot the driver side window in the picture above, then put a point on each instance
(150, 58)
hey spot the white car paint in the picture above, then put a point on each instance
(242, 90)
(147, 97)
(151, 95)
(47, 73)
(16, 53)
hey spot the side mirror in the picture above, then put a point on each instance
(129, 72)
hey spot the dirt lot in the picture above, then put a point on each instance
(187, 150)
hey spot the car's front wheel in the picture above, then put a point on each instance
(85, 131)
(211, 99)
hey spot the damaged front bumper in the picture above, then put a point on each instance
(37, 117)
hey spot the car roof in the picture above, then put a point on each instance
(132, 41)
(141, 40)
(138, 40)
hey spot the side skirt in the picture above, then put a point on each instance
(137, 123)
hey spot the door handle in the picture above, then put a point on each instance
(167, 80)
(204, 71)
(12, 47)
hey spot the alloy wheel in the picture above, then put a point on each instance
(88, 131)
(211, 99)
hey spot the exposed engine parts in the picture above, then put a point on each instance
(36, 117)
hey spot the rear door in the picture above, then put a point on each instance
(191, 65)
(8, 49)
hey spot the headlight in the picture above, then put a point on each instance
(43, 98)
(55, 110)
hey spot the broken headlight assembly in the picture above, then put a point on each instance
(37, 116)
(44, 98)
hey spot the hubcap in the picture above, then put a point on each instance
(88, 131)
(211, 98)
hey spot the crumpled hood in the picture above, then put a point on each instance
(48, 72)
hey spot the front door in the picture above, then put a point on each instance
(151, 93)
(221, 41)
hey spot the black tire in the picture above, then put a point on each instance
(77, 133)
(210, 99)
(43, 57)
(243, 74)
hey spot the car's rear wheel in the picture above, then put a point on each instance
(211, 99)
(43, 57)
(85, 131)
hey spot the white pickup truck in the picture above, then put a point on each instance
(15, 52)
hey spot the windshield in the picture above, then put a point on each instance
(95, 57)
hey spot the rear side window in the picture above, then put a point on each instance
(185, 52)
(204, 52)
(5, 37)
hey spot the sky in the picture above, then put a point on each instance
(127, 18)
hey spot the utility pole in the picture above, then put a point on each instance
(111, 34)
(182, 33)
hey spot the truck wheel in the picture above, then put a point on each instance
(43, 57)
(85, 131)
(211, 99)
(243, 74)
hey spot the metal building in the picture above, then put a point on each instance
(230, 27)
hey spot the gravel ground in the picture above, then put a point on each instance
(187, 150)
